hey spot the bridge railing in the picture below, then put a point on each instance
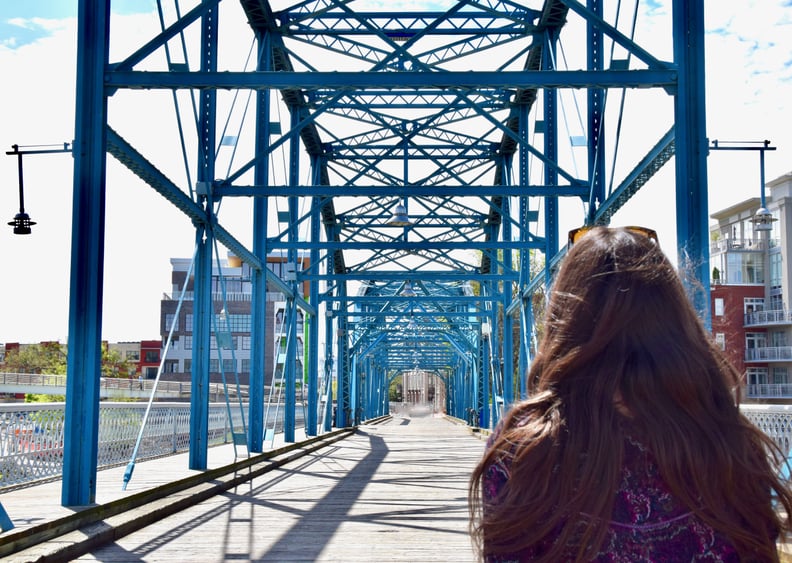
(169, 388)
(773, 420)
(31, 435)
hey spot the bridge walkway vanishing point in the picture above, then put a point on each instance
(392, 491)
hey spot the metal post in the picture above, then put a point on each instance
(691, 153)
(81, 424)
(258, 320)
(203, 304)
(596, 117)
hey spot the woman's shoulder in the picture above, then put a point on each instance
(649, 521)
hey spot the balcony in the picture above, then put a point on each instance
(768, 318)
(727, 244)
(769, 354)
(769, 391)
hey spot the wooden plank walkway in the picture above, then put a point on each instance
(396, 491)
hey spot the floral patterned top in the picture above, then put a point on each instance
(648, 523)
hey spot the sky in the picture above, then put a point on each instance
(748, 86)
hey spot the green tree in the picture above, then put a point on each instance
(47, 358)
(113, 364)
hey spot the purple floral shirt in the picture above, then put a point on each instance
(648, 523)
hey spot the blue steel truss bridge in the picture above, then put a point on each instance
(418, 169)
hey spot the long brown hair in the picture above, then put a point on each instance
(619, 325)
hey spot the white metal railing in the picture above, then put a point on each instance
(773, 420)
(769, 390)
(166, 388)
(758, 318)
(724, 244)
(31, 435)
(769, 354)
(229, 296)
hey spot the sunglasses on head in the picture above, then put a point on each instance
(577, 234)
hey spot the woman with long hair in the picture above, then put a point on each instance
(631, 446)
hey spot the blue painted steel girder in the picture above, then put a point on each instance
(348, 82)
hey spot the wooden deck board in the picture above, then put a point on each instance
(392, 492)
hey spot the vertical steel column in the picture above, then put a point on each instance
(313, 326)
(486, 394)
(328, 367)
(290, 365)
(550, 108)
(525, 253)
(201, 353)
(342, 368)
(507, 344)
(202, 303)
(690, 140)
(490, 399)
(258, 320)
(81, 425)
(596, 121)
(354, 390)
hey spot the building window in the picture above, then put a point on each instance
(744, 268)
(152, 356)
(245, 343)
(169, 320)
(188, 322)
(133, 355)
(775, 269)
(755, 340)
(720, 340)
(214, 365)
(188, 366)
(171, 366)
(780, 376)
(188, 342)
(228, 365)
(756, 376)
(778, 339)
(719, 306)
(753, 304)
(245, 366)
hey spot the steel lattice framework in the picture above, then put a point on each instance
(449, 119)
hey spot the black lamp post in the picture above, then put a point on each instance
(22, 222)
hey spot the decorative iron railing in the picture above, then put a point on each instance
(31, 435)
(773, 420)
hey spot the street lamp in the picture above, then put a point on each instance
(22, 223)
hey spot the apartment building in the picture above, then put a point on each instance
(751, 282)
(231, 344)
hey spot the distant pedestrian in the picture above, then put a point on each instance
(632, 446)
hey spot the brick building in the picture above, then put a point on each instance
(751, 279)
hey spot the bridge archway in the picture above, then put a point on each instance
(425, 161)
